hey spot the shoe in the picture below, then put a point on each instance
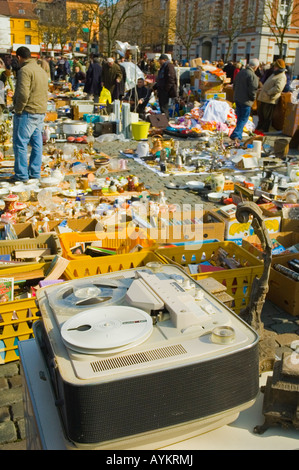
(15, 180)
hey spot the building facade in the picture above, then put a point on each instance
(73, 23)
(23, 26)
(241, 29)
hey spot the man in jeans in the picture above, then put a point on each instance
(245, 89)
(30, 106)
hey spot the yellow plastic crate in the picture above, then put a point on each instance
(122, 242)
(46, 240)
(21, 272)
(16, 320)
(237, 281)
(107, 264)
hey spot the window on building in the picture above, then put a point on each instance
(247, 51)
(181, 53)
(74, 15)
(222, 51)
(280, 52)
(225, 17)
(235, 51)
(85, 15)
(251, 11)
(27, 39)
(27, 24)
(22, 12)
(285, 10)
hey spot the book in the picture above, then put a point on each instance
(56, 268)
(98, 251)
(6, 289)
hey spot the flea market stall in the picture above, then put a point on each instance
(127, 266)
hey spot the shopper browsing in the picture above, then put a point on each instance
(270, 94)
(30, 106)
(245, 89)
(166, 84)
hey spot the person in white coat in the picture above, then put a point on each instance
(270, 94)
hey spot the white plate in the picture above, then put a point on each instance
(4, 191)
(195, 184)
(70, 193)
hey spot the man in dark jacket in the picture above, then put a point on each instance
(93, 82)
(138, 97)
(112, 77)
(166, 84)
(245, 89)
(78, 78)
(229, 69)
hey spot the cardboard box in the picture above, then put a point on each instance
(234, 231)
(291, 121)
(271, 210)
(196, 62)
(212, 228)
(79, 110)
(280, 110)
(24, 230)
(51, 116)
(77, 225)
(210, 87)
(101, 128)
(283, 291)
(62, 102)
(286, 239)
(214, 96)
(75, 102)
(290, 225)
(229, 90)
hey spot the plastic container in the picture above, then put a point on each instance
(122, 242)
(237, 281)
(45, 240)
(16, 320)
(140, 130)
(76, 269)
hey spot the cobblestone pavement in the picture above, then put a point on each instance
(12, 424)
(283, 326)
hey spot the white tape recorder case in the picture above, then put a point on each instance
(144, 356)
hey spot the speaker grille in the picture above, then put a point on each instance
(138, 358)
(133, 405)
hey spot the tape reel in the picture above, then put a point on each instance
(76, 297)
(106, 330)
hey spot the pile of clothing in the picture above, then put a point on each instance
(213, 115)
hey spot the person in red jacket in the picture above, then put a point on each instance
(237, 70)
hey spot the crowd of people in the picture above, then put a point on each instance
(28, 79)
(253, 83)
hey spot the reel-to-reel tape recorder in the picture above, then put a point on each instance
(144, 356)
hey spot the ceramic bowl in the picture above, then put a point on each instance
(215, 197)
(48, 182)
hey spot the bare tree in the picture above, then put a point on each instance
(279, 16)
(57, 25)
(112, 15)
(232, 20)
(187, 24)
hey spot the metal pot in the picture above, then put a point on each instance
(74, 127)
